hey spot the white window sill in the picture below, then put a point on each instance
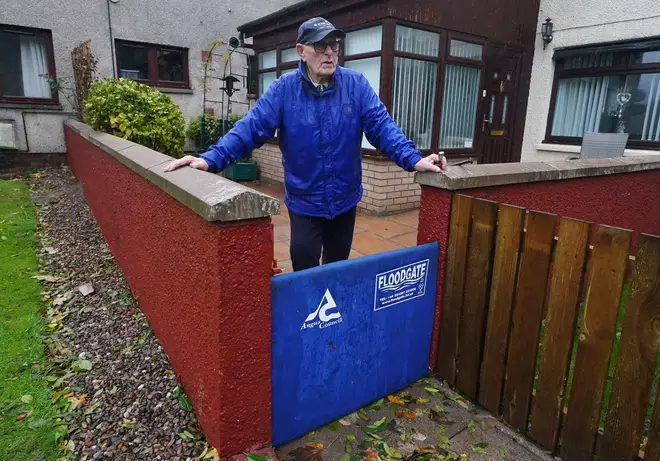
(569, 149)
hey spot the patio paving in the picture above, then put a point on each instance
(372, 234)
(426, 421)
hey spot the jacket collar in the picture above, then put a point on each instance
(304, 77)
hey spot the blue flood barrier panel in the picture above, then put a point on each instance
(347, 334)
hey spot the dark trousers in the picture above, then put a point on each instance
(310, 235)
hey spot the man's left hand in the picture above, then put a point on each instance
(431, 163)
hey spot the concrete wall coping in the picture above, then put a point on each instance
(212, 197)
(500, 174)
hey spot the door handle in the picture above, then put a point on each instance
(483, 123)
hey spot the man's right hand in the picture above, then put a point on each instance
(192, 162)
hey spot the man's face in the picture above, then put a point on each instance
(321, 57)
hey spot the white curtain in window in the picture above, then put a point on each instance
(289, 55)
(370, 68)
(267, 60)
(651, 127)
(459, 107)
(265, 81)
(465, 50)
(413, 99)
(580, 105)
(363, 41)
(417, 41)
(35, 64)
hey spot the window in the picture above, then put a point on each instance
(269, 68)
(607, 90)
(366, 43)
(154, 65)
(26, 60)
(414, 83)
(461, 95)
(289, 55)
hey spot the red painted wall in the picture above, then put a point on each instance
(434, 213)
(630, 201)
(205, 288)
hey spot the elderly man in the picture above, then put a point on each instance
(320, 112)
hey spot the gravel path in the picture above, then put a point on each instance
(127, 406)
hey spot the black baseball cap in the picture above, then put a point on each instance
(316, 29)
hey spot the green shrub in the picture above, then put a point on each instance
(194, 131)
(136, 112)
(213, 129)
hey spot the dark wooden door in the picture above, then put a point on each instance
(498, 105)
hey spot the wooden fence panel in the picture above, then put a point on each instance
(636, 360)
(475, 296)
(568, 268)
(505, 264)
(527, 316)
(604, 286)
(459, 232)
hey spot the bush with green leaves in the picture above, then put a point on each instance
(136, 112)
(194, 131)
(214, 129)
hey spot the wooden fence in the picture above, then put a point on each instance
(534, 308)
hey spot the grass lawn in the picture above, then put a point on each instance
(25, 410)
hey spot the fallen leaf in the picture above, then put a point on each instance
(185, 402)
(395, 400)
(51, 250)
(432, 391)
(363, 415)
(472, 426)
(21, 417)
(86, 289)
(484, 426)
(253, 457)
(83, 364)
(378, 426)
(503, 453)
(61, 299)
(212, 454)
(440, 418)
(411, 415)
(47, 278)
(480, 448)
(310, 452)
(27, 398)
(419, 436)
(421, 401)
(333, 426)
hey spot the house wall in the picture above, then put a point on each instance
(578, 24)
(387, 188)
(191, 24)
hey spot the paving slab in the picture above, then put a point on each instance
(427, 417)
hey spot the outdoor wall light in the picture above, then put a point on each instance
(234, 42)
(546, 32)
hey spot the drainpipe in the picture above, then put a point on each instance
(112, 42)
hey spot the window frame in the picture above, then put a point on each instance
(50, 56)
(622, 66)
(387, 55)
(152, 63)
(368, 55)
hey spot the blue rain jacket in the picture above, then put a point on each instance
(320, 136)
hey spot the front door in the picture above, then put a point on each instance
(499, 104)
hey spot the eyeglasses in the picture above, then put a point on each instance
(320, 47)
